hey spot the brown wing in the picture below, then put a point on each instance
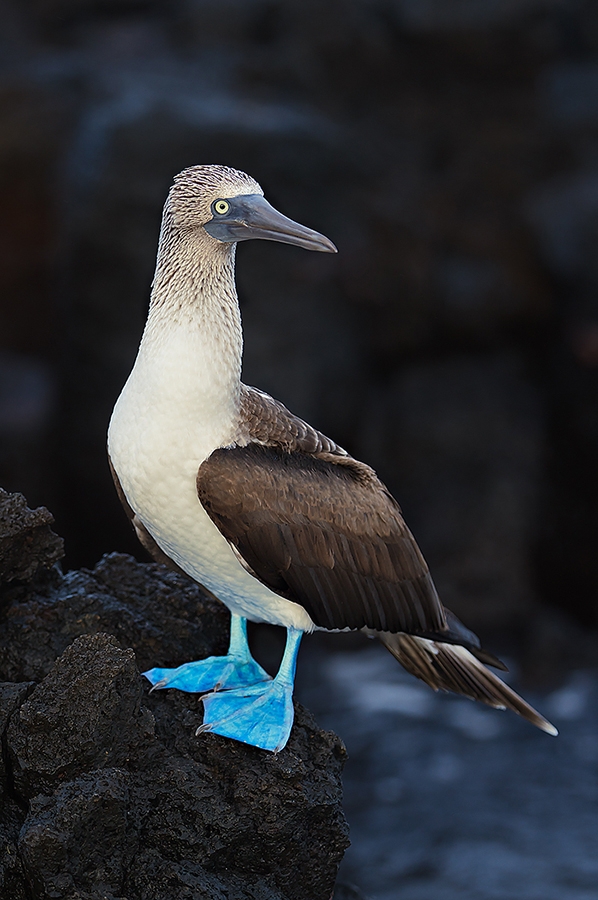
(322, 530)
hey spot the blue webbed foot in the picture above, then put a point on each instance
(212, 674)
(261, 715)
(235, 670)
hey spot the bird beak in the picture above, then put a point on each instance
(251, 217)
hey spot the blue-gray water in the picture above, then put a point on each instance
(449, 800)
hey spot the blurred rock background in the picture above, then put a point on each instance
(449, 147)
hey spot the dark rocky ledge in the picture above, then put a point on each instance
(106, 793)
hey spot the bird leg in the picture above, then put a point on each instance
(262, 714)
(237, 669)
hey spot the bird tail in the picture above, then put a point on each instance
(451, 667)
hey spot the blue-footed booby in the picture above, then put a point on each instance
(271, 516)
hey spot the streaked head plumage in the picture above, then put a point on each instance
(195, 189)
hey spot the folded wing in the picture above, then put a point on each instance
(316, 526)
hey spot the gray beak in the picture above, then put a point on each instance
(251, 217)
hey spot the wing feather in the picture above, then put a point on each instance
(325, 535)
(450, 667)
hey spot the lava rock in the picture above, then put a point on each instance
(117, 791)
(12, 875)
(27, 543)
(107, 791)
(12, 816)
(164, 616)
(11, 696)
(84, 715)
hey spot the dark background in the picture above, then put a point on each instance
(448, 147)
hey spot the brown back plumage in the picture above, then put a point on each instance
(316, 526)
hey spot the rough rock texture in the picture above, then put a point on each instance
(106, 792)
(27, 543)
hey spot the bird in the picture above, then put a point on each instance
(269, 515)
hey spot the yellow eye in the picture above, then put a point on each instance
(221, 207)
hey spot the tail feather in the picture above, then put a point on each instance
(451, 667)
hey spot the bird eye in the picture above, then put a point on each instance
(221, 207)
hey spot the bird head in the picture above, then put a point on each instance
(230, 206)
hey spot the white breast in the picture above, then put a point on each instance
(171, 414)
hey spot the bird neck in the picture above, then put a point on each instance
(194, 322)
